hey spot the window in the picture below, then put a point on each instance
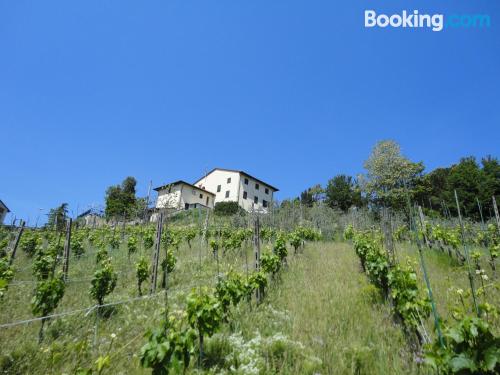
(246, 181)
(201, 196)
(267, 191)
(255, 199)
(256, 186)
(208, 200)
(227, 194)
(218, 188)
(244, 195)
(264, 203)
(194, 192)
(229, 180)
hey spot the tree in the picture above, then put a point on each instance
(121, 200)
(311, 195)
(57, 217)
(465, 178)
(490, 184)
(472, 183)
(290, 203)
(391, 176)
(343, 192)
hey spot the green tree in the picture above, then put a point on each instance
(311, 195)
(290, 203)
(490, 184)
(472, 183)
(434, 187)
(390, 175)
(57, 217)
(464, 177)
(343, 192)
(121, 200)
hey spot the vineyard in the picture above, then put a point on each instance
(308, 292)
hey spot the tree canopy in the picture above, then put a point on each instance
(343, 192)
(57, 216)
(121, 200)
(390, 177)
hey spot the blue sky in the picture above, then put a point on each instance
(293, 92)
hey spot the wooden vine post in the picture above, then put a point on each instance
(156, 253)
(205, 227)
(497, 216)
(123, 228)
(204, 234)
(388, 234)
(16, 242)
(256, 247)
(165, 272)
(145, 213)
(67, 247)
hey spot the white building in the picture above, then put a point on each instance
(3, 211)
(180, 195)
(232, 185)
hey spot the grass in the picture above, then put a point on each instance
(322, 317)
(333, 311)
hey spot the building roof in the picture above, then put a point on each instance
(90, 211)
(240, 172)
(163, 187)
(3, 204)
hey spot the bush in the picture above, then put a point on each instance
(227, 208)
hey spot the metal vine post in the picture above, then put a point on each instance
(467, 258)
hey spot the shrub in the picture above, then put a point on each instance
(227, 208)
(470, 347)
(104, 281)
(142, 271)
(6, 274)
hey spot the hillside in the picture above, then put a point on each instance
(320, 313)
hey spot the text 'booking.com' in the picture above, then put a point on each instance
(416, 20)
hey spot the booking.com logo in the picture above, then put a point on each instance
(435, 22)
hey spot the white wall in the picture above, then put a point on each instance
(218, 177)
(168, 199)
(253, 192)
(236, 189)
(181, 194)
(195, 196)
